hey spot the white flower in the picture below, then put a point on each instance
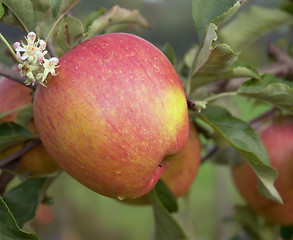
(34, 49)
(49, 67)
(33, 64)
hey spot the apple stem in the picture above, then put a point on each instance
(195, 105)
(17, 154)
(14, 75)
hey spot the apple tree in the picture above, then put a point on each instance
(133, 122)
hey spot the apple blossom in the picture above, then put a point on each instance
(33, 64)
(49, 66)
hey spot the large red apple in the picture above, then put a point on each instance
(180, 176)
(115, 115)
(278, 141)
(36, 161)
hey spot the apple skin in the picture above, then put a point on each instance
(182, 173)
(35, 162)
(278, 141)
(114, 112)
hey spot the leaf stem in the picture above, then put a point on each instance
(51, 31)
(9, 47)
(225, 94)
(54, 25)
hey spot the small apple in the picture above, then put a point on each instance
(36, 161)
(180, 176)
(115, 115)
(278, 141)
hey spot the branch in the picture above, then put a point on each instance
(22, 151)
(13, 75)
(279, 54)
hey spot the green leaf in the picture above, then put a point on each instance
(211, 71)
(269, 89)
(166, 227)
(40, 6)
(12, 133)
(1, 10)
(25, 115)
(215, 62)
(166, 197)
(189, 56)
(241, 136)
(55, 6)
(116, 16)
(205, 51)
(252, 24)
(8, 227)
(10, 19)
(169, 52)
(215, 67)
(69, 33)
(93, 16)
(18, 109)
(61, 7)
(243, 69)
(24, 12)
(205, 12)
(24, 199)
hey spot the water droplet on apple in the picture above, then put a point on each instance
(121, 197)
(117, 172)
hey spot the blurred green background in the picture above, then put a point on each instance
(80, 214)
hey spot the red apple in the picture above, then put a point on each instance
(278, 141)
(36, 161)
(180, 176)
(13, 95)
(115, 115)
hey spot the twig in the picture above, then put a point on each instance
(13, 75)
(209, 154)
(254, 123)
(281, 56)
(283, 66)
(22, 151)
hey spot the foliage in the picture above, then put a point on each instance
(211, 69)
